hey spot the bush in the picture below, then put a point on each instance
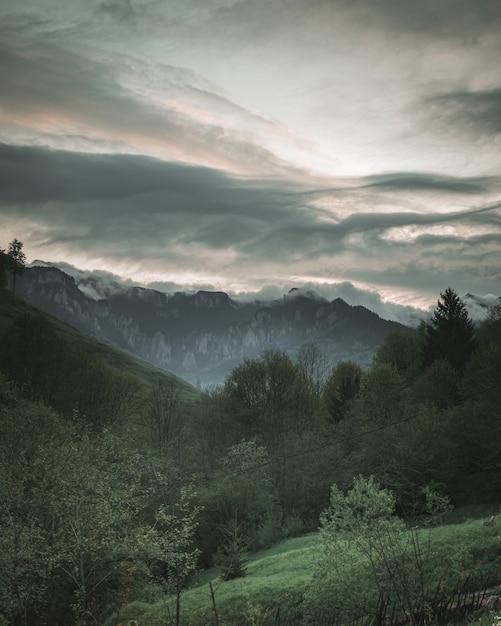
(372, 564)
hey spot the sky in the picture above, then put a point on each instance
(252, 146)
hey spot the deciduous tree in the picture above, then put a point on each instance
(341, 389)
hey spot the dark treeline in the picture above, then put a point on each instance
(114, 489)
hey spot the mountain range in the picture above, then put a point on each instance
(202, 336)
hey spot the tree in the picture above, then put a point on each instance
(4, 264)
(16, 261)
(371, 566)
(242, 490)
(34, 358)
(270, 397)
(171, 543)
(438, 385)
(233, 552)
(72, 511)
(383, 398)
(164, 415)
(314, 367)
(402, 350)
(341, 389)
(450, 334)
(381, 408)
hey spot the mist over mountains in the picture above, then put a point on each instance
(202, 336)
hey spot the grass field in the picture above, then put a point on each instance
(278, 580)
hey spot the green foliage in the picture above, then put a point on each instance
(97, 512)
(232, 554)
(46, 368)
(164, 417)
(384, 396)
(483, 372)
(313, 366)
(270, 397)
(281, 584)
(171, 543)
(271, 528)
(402, 351)
(371, 563)
(341, 389)
(438, 385)
(34, 358)
(302, 473)
(450, 334)
(73, 515)
(242, 489)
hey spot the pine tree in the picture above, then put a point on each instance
(16, 260)
(450, 334)
(4, 264)
(233, 554)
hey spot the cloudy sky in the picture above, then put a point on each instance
(252, 145)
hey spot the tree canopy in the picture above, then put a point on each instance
(450, 334)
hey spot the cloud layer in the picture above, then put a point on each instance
(163, 221)
(248, 145)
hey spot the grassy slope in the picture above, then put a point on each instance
(12, 307)
(277, 579)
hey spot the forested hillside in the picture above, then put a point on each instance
(118, 483)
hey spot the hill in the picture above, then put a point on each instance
(280, 585)
(13, 307)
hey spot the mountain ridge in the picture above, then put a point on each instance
(202, 336)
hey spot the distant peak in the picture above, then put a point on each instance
(303, 292)
(211, 298)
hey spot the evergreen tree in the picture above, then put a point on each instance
(4, 263)
(450, 334)
(233, 554)
(16, 260)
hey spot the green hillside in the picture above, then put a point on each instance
(127, 495)
(281, 583)
(12, 307)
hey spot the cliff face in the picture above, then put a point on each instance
(202, 337)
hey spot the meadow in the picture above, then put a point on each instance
(279, 586)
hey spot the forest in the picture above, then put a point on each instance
(121, 484)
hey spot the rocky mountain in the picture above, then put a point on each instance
(202, 336)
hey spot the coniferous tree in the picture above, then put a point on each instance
(450, 334)
(4, 263)
(16, 260)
